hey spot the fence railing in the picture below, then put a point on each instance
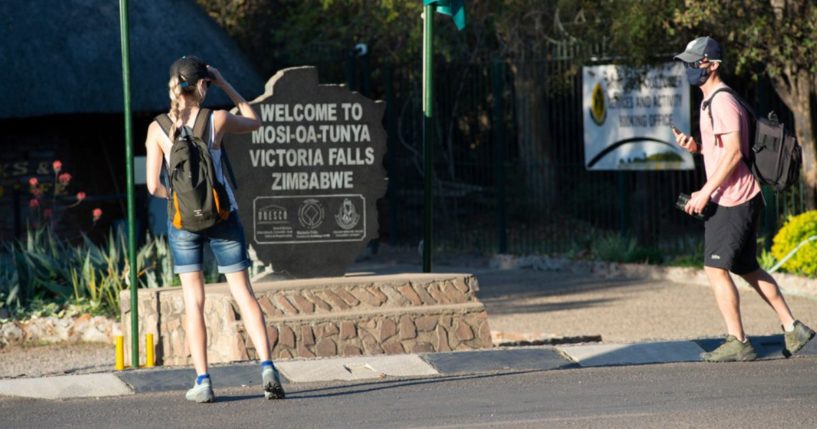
(510, 175)
(509, 164)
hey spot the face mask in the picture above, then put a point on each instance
(696, 76)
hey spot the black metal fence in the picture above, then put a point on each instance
(509, 164)
(509, 169)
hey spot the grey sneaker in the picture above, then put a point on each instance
(202, 392)
(796, 339)
(732, 350)
(272, 383)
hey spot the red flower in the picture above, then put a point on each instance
(57, 165)
(33, 181)
(34, 203)
(97, 214)
(80, 196)
(37, 192)
(64, 178)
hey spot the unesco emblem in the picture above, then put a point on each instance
(311, 213)
(271, 214)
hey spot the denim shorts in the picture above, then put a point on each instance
(226, 241)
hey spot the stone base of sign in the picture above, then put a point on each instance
(348, 316)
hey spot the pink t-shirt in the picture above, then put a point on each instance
(728, 116)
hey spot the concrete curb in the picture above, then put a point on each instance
(538, 358)
(65, 387)
(789, 283)
(633, 354)
(356, 368)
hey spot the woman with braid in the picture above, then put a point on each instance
(190, 79)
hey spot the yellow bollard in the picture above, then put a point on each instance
(120, 353)
(149, 351)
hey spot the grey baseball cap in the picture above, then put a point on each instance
(702, 47)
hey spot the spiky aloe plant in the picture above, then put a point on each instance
(45, 269)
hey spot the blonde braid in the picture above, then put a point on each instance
(175, 91)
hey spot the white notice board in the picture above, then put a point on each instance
(627, 115)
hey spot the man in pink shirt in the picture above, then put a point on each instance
(733, 203)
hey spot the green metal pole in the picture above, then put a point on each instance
(428, 113)
(498, 78)
(394, 174)
(134, 312)
(622, 202)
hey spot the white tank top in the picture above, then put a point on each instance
(215, 154)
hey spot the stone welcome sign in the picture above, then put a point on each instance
(310, 177)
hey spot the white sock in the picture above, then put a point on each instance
(789, 328)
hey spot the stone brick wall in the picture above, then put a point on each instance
(366, 315)
(51, 330)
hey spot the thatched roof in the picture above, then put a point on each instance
(63, 57)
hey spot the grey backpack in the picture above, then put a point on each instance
(775, 157)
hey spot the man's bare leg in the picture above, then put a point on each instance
(728, 299)
(767, 287)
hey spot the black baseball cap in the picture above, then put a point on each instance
(189, 69)
(700, 48)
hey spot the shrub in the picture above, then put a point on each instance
(46, 269)
(689, 261)
(51, 198)
(621, 248)
(613, 247)
(646, 255)
(795, 231)
(766, 259)
(689, 252)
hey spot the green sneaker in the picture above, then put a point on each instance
(796, 339)
(201, 392)
(732, 350)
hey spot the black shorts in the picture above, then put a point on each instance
(730, 240)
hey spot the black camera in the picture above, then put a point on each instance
(682, 201)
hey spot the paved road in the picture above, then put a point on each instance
(779, 393)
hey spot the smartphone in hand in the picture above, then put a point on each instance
(675, 129)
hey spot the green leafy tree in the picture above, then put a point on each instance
(773, 37)
(776, 38)
(568, 34)
(287, 32)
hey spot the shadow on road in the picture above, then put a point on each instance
(512, 306)
(353, 389)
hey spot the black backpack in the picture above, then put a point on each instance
(775, 157)
(197, 200)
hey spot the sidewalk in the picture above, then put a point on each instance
(629, 321)
(540, 358)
